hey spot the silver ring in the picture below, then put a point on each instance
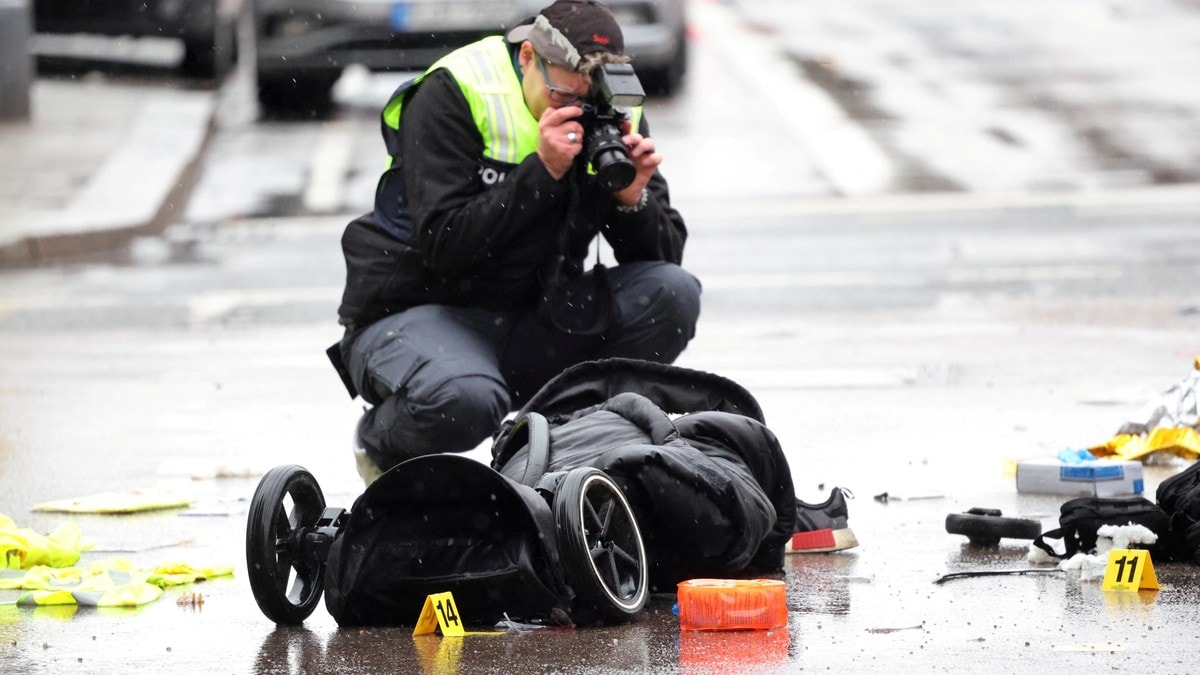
(571, 137)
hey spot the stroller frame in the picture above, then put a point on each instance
(601, 561)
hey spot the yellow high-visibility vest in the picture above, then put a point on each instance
(489, 83)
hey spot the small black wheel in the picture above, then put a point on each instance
(287, 505)
(603, 557)
(986, 527)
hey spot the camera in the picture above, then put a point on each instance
(614, 86)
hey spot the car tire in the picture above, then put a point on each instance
(200, 60)
(668, 80)
(211, 57)
(297, 95)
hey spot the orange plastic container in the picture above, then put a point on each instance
(732, 604)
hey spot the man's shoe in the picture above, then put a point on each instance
(821, 528)
(367, 468)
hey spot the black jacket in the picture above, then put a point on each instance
(441, 234)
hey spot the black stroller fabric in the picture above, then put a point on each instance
(706, 479)
(445, 523)
(707, 482)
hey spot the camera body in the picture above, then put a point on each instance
(614, 86)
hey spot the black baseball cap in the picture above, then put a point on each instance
(568, 30)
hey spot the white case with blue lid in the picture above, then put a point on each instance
(1095, 478)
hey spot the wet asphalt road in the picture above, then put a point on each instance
(899, 369)
(907, 346)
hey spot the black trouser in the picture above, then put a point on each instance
(441, 379)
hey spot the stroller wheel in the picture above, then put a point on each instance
(603, 556)
(286, 582)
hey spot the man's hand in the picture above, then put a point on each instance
(645, 159)
(560, 139)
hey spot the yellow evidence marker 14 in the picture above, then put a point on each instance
(439, 611)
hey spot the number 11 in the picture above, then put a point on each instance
(1132, 568)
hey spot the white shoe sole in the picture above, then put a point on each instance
(821, 541)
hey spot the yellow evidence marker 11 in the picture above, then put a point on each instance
(1129, 570)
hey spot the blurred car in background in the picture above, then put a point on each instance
(208, 28)
(656, 37)
(302, 46)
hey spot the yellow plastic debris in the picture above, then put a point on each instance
(133, 501)
(176, 573)
(45, 567)
(1181, 441)
(105, 583)
(23, 548)
(47, 598)
(1008, 468)
(129, 595)
(95, 587)
(1121, 446)
(40, 578)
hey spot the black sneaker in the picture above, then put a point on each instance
(821, 528)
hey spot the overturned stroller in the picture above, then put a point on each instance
(617, 479)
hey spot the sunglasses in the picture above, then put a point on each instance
(558, 95)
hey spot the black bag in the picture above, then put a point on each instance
(1080, 518)
(707, 480)
(1179, 497)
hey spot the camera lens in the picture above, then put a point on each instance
(609, 158)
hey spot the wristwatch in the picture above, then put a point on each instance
(634, 208)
